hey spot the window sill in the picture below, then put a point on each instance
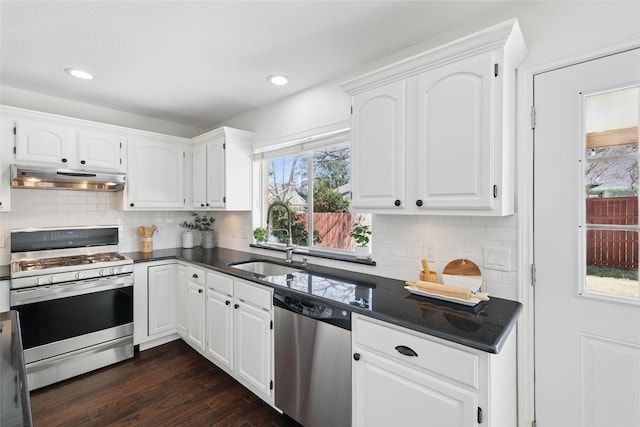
(318, 254)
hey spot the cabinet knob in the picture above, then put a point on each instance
(83, 162)
(227, 302)
(195, 276)
(207, 204)
(132, 204)
(418, 202)
(236, 305)
(202, 205)
(199, 291)
(64, 160)
(397, 202)
(356, 356)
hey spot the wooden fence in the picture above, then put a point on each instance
(333, 228)
(612, 248)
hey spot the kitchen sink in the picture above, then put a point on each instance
(266, 268)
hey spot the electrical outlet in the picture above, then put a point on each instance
(244, 233)
(430, 252)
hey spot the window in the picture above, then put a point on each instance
(313, 179)
(610, 171)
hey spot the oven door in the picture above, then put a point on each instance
(68, 321)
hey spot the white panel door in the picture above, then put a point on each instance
(195, 314)
(199, 185)
(252, 346)
(41, 142)
(100, 150)
(587, 342)
(162, 301)
(219, 327)
(216, 164)
(455, 138)
(378, 147)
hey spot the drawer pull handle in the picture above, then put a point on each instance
(407, 351)
(236, 305)
(227, 302)
(356, 356)
(195, 276)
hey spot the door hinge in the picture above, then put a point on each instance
(534, 423)
(352, 109)
(495, 191)
(121, 145)
(184, 201)
(533, 274)
(533, 117)
(14, 149)
(495, 70)
(271, 325)
(271, 385)
(184, 154)
(120, 161)
(15, 130)
(479, 415)
(224, 199)
(224, 145)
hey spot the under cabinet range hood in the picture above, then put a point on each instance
(48, 178)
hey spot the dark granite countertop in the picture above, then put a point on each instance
(15, 409)
(485, 326)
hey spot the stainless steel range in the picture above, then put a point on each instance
(74, 295)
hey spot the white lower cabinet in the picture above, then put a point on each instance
(253, 336)
(195, 307)
(404, 378)
(161, 288)
(219, 315)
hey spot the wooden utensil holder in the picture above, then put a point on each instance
(431, 277)
(146, 244)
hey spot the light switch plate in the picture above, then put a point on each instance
(497, 258)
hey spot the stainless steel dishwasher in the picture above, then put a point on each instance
(312, 361)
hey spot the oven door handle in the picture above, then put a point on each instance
(64, 290)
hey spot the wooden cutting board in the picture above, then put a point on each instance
(464, 273)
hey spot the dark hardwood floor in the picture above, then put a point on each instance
(169, 385)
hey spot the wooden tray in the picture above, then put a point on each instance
(470, 302)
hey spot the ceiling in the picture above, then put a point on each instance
(199, 63)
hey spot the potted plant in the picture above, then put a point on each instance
(203, 224)
(361, 232)
(260, 234)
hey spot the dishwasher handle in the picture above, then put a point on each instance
(319, 311)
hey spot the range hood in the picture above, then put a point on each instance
(48, 178)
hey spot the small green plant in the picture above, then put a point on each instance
(260, 234)
(360, 232)
(200, 222)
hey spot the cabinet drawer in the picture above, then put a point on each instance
(441, 359)
(253, 294)
(196, 275)
(220, 283)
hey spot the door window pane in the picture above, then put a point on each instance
(611, 192)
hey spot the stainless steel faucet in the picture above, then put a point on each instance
(289, 247)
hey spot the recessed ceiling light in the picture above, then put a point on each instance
(278, 80)
(80, 74)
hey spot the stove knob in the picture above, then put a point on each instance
(101, 273)
(112, 271)
(52, 279)
(38, 280)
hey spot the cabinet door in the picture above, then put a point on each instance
(195, 314)
(181, 300)
(216, 173)
(199, 185)
(42, 142)
(252, 346)
(378, 147)
(455, 166)
(161, 294)
(156, 175)
(220, 327)
(389, 394)
(100, 150)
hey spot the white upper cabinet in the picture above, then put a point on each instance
(155, 175)
(67, 145)
(378, 159)
(101, 150)
(438, 129)
(222, 170)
